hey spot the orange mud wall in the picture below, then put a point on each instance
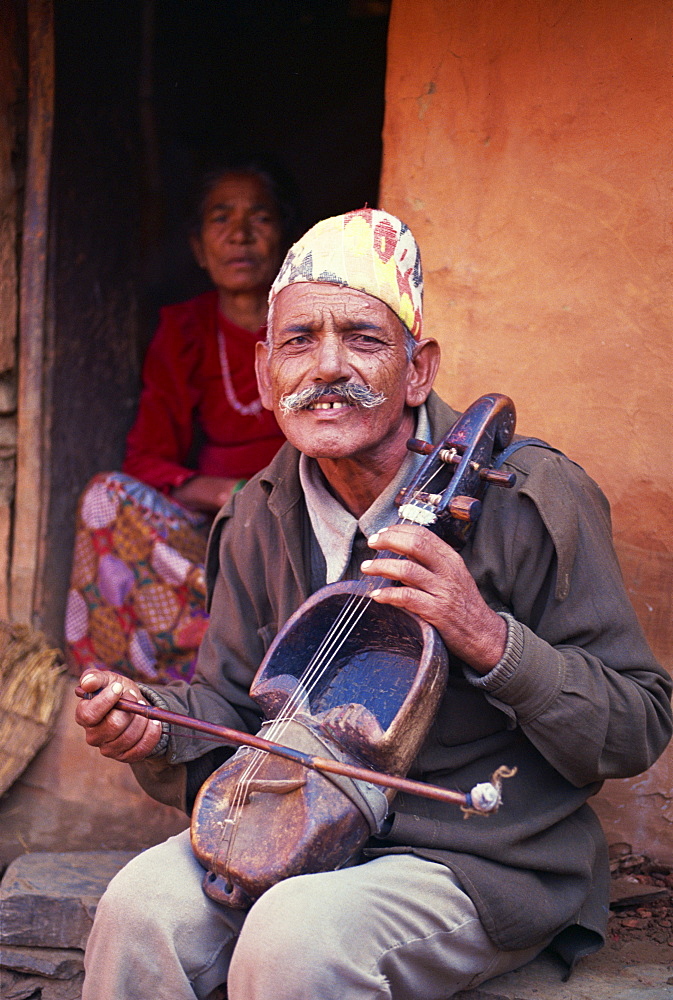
(528, 144)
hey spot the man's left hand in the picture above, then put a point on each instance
(436, 585)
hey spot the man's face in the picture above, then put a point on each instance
(240, 239)
(325, 335)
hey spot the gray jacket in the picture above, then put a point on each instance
(577, 698)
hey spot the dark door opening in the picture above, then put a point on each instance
(301, 81)
(145, 92)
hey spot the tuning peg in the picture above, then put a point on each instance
(465, 508)
(420, 447)
(506, 479)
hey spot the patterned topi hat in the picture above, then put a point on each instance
(368, 250)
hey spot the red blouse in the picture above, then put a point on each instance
(184, 398)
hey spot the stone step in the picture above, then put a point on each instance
(638, 971)
(18, 986)
(54, 963)
(49, 900)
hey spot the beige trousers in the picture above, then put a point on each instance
(395, 928)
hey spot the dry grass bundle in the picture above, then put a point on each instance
(31, 691)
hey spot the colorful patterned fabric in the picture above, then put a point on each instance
(368, 250)
(137, 594)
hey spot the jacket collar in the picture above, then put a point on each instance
(285, 500)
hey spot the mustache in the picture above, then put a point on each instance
(355, 395)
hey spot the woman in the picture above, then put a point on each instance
(137, 597)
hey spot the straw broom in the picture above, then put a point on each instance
(31, 692)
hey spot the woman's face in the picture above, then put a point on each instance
(240, 240)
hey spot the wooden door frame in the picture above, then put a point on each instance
(31, 463)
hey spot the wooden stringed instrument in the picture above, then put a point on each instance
(349, 681)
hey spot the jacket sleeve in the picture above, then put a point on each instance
(159, 442)
(577, 676)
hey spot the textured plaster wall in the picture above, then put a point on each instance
(528, 144)
(70, 798)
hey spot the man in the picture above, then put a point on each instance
(549, 673)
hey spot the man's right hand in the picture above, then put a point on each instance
(117, 734)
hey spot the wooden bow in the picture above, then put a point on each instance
(483, 798)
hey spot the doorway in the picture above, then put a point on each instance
(146, 91)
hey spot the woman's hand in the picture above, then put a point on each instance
(436, 585)
(205, 493)
(117, 734)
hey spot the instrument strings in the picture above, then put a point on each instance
(339, 632)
